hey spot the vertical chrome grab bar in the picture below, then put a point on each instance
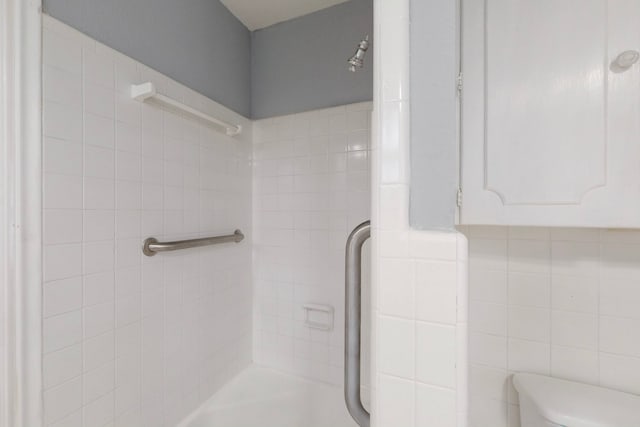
(352, 315)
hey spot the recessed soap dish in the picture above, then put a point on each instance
(318, 316)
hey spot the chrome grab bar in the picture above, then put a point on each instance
(353, 315)
(152, 246)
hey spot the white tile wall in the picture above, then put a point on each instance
(419, 283)
(560, 302)
(420, 334)
(131, 340)
(311, 188)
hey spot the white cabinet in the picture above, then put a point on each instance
(550, 128)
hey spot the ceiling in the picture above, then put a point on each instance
(256, 14)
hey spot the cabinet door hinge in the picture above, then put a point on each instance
(459, 197)
(460, 82)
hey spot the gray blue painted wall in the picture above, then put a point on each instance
(196, 42)
(300, 64)
(434, 110)
(297, 65)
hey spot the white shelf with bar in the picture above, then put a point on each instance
(147, 92)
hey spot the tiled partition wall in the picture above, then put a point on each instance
(559, 302)
(311, 188)
(131, 340)
(419, 277)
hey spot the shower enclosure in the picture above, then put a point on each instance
(156, 312)
(305, 204)
(99, 334)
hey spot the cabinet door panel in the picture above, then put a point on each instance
(545, 103)
(550, 133)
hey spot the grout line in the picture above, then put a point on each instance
(84, 226)
(550, 283)
(508, 338)
(598, 314)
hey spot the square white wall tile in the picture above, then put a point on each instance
(397, 287)
(620, 372)
(397, 347)
(529, 290)
(62, 157)
(62, 121)
(62, 191)
(435, 407)
(396, 404)
(489, 350)
(578, 294)
(61, 366)
(620, 298)
(61, 296)
(488, 318)
(575, 364)
(529, 356)
(576, 330)
(62, 331)
(62, 226)
(62, 400)
(528, 323)
(62, 261)
(488, 382)
(436, 355)
(436, 293)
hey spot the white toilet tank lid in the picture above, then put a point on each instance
(574, 404)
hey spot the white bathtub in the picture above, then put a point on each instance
(266, 398)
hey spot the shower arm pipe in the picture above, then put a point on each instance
(152, 246)
(353, 320)
(357, 60)
(147, 91)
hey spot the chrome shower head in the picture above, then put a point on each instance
(357, 60)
